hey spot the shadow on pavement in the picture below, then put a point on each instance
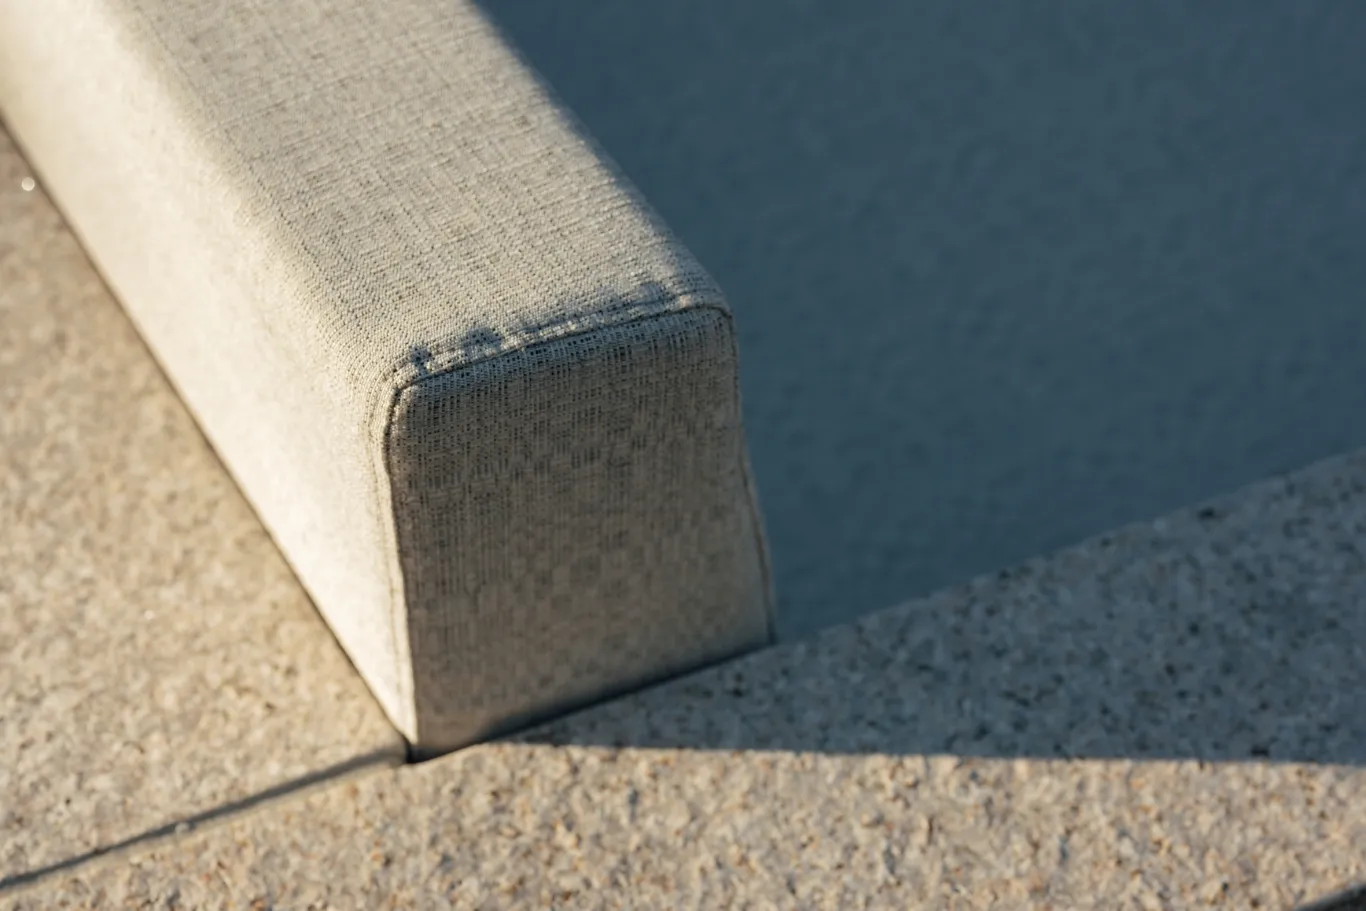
(1233, 632)
(1002, 282)
(1350, 900)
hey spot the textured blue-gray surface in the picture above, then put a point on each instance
(1004, 276)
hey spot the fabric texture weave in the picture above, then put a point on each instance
(484, 401)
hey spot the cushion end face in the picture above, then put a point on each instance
(573, 519)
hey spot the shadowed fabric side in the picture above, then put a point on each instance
(483, 400)
(534, 569)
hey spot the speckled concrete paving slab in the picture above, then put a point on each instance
(1167, 717)
(157, 658)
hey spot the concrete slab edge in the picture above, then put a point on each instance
(380, 760)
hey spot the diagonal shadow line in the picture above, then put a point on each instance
(1353, 899)
(377, 759)
(1235, 631)
(913, 681)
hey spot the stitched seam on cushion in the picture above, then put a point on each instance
(752, 491)
(661, 308)
(393, 567)
(445, 356)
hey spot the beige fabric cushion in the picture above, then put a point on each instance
(485, 403)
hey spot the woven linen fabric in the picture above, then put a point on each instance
(483, 400)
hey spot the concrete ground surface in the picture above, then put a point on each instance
(1168, 716)
(1165, 716)
(1002, 281)
(158, 660)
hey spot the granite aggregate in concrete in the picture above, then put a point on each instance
(158, 660)
(534, 826)
(1170, 716)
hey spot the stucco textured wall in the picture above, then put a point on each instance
(1003, 279)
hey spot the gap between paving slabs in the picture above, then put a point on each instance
(145, 841)
(159, 663)
(1190, 682)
